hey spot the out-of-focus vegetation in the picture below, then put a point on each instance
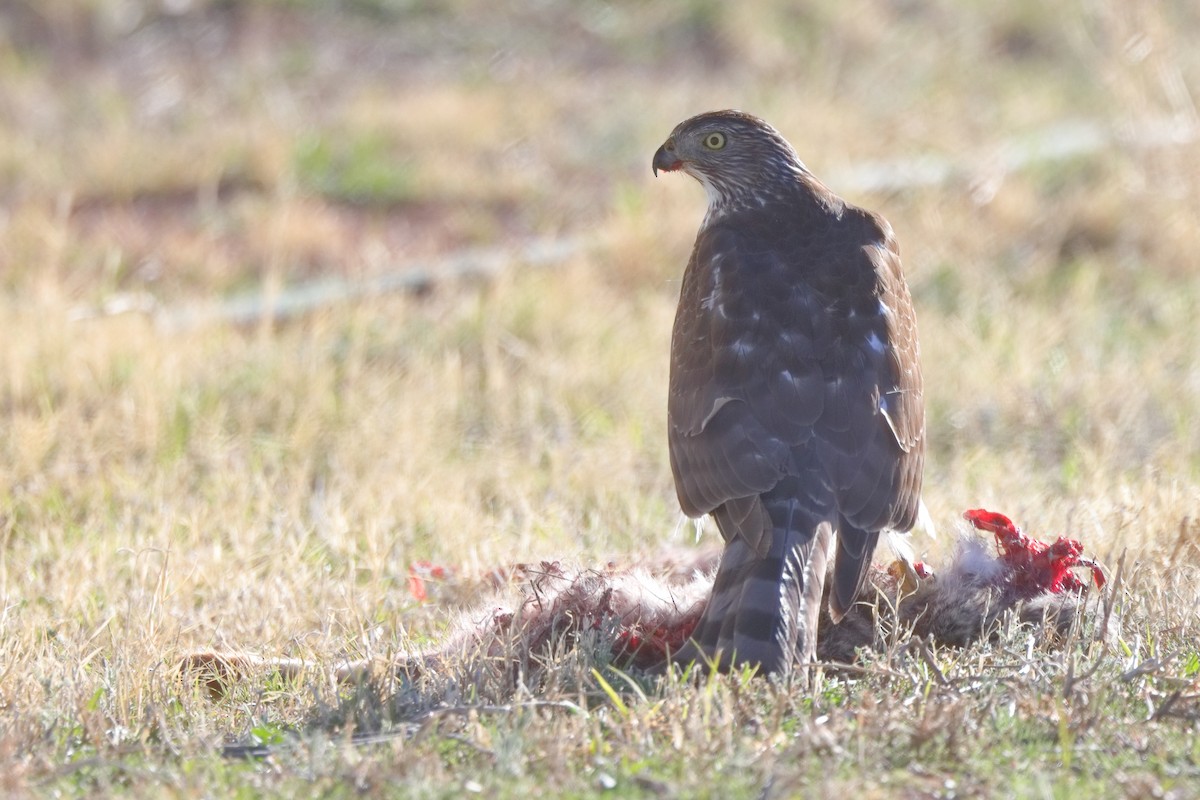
(266, 487)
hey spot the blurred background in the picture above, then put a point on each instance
(181, 146)
(455, 198)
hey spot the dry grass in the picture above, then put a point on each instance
(268, 488)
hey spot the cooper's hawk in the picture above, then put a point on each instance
(795, 411)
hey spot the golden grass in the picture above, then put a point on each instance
(267, 488)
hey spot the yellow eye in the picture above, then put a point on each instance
(714, 141)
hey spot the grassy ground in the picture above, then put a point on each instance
(266, 487)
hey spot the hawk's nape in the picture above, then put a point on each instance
(795, 412)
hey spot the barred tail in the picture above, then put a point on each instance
(764, 608)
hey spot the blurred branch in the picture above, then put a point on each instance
(293, 301)
(255, 306)
(1059, 142)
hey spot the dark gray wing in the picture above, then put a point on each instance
(873, 440)
(746, 380)
(791, 356)
(871, 437)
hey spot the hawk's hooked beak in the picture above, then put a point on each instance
(665, 158)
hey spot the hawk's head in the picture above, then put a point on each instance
(737, 157)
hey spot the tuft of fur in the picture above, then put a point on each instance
(963, 603)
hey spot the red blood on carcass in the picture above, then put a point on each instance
(416, 586)
(418, 571)
(1034, 566)
(648, 646)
